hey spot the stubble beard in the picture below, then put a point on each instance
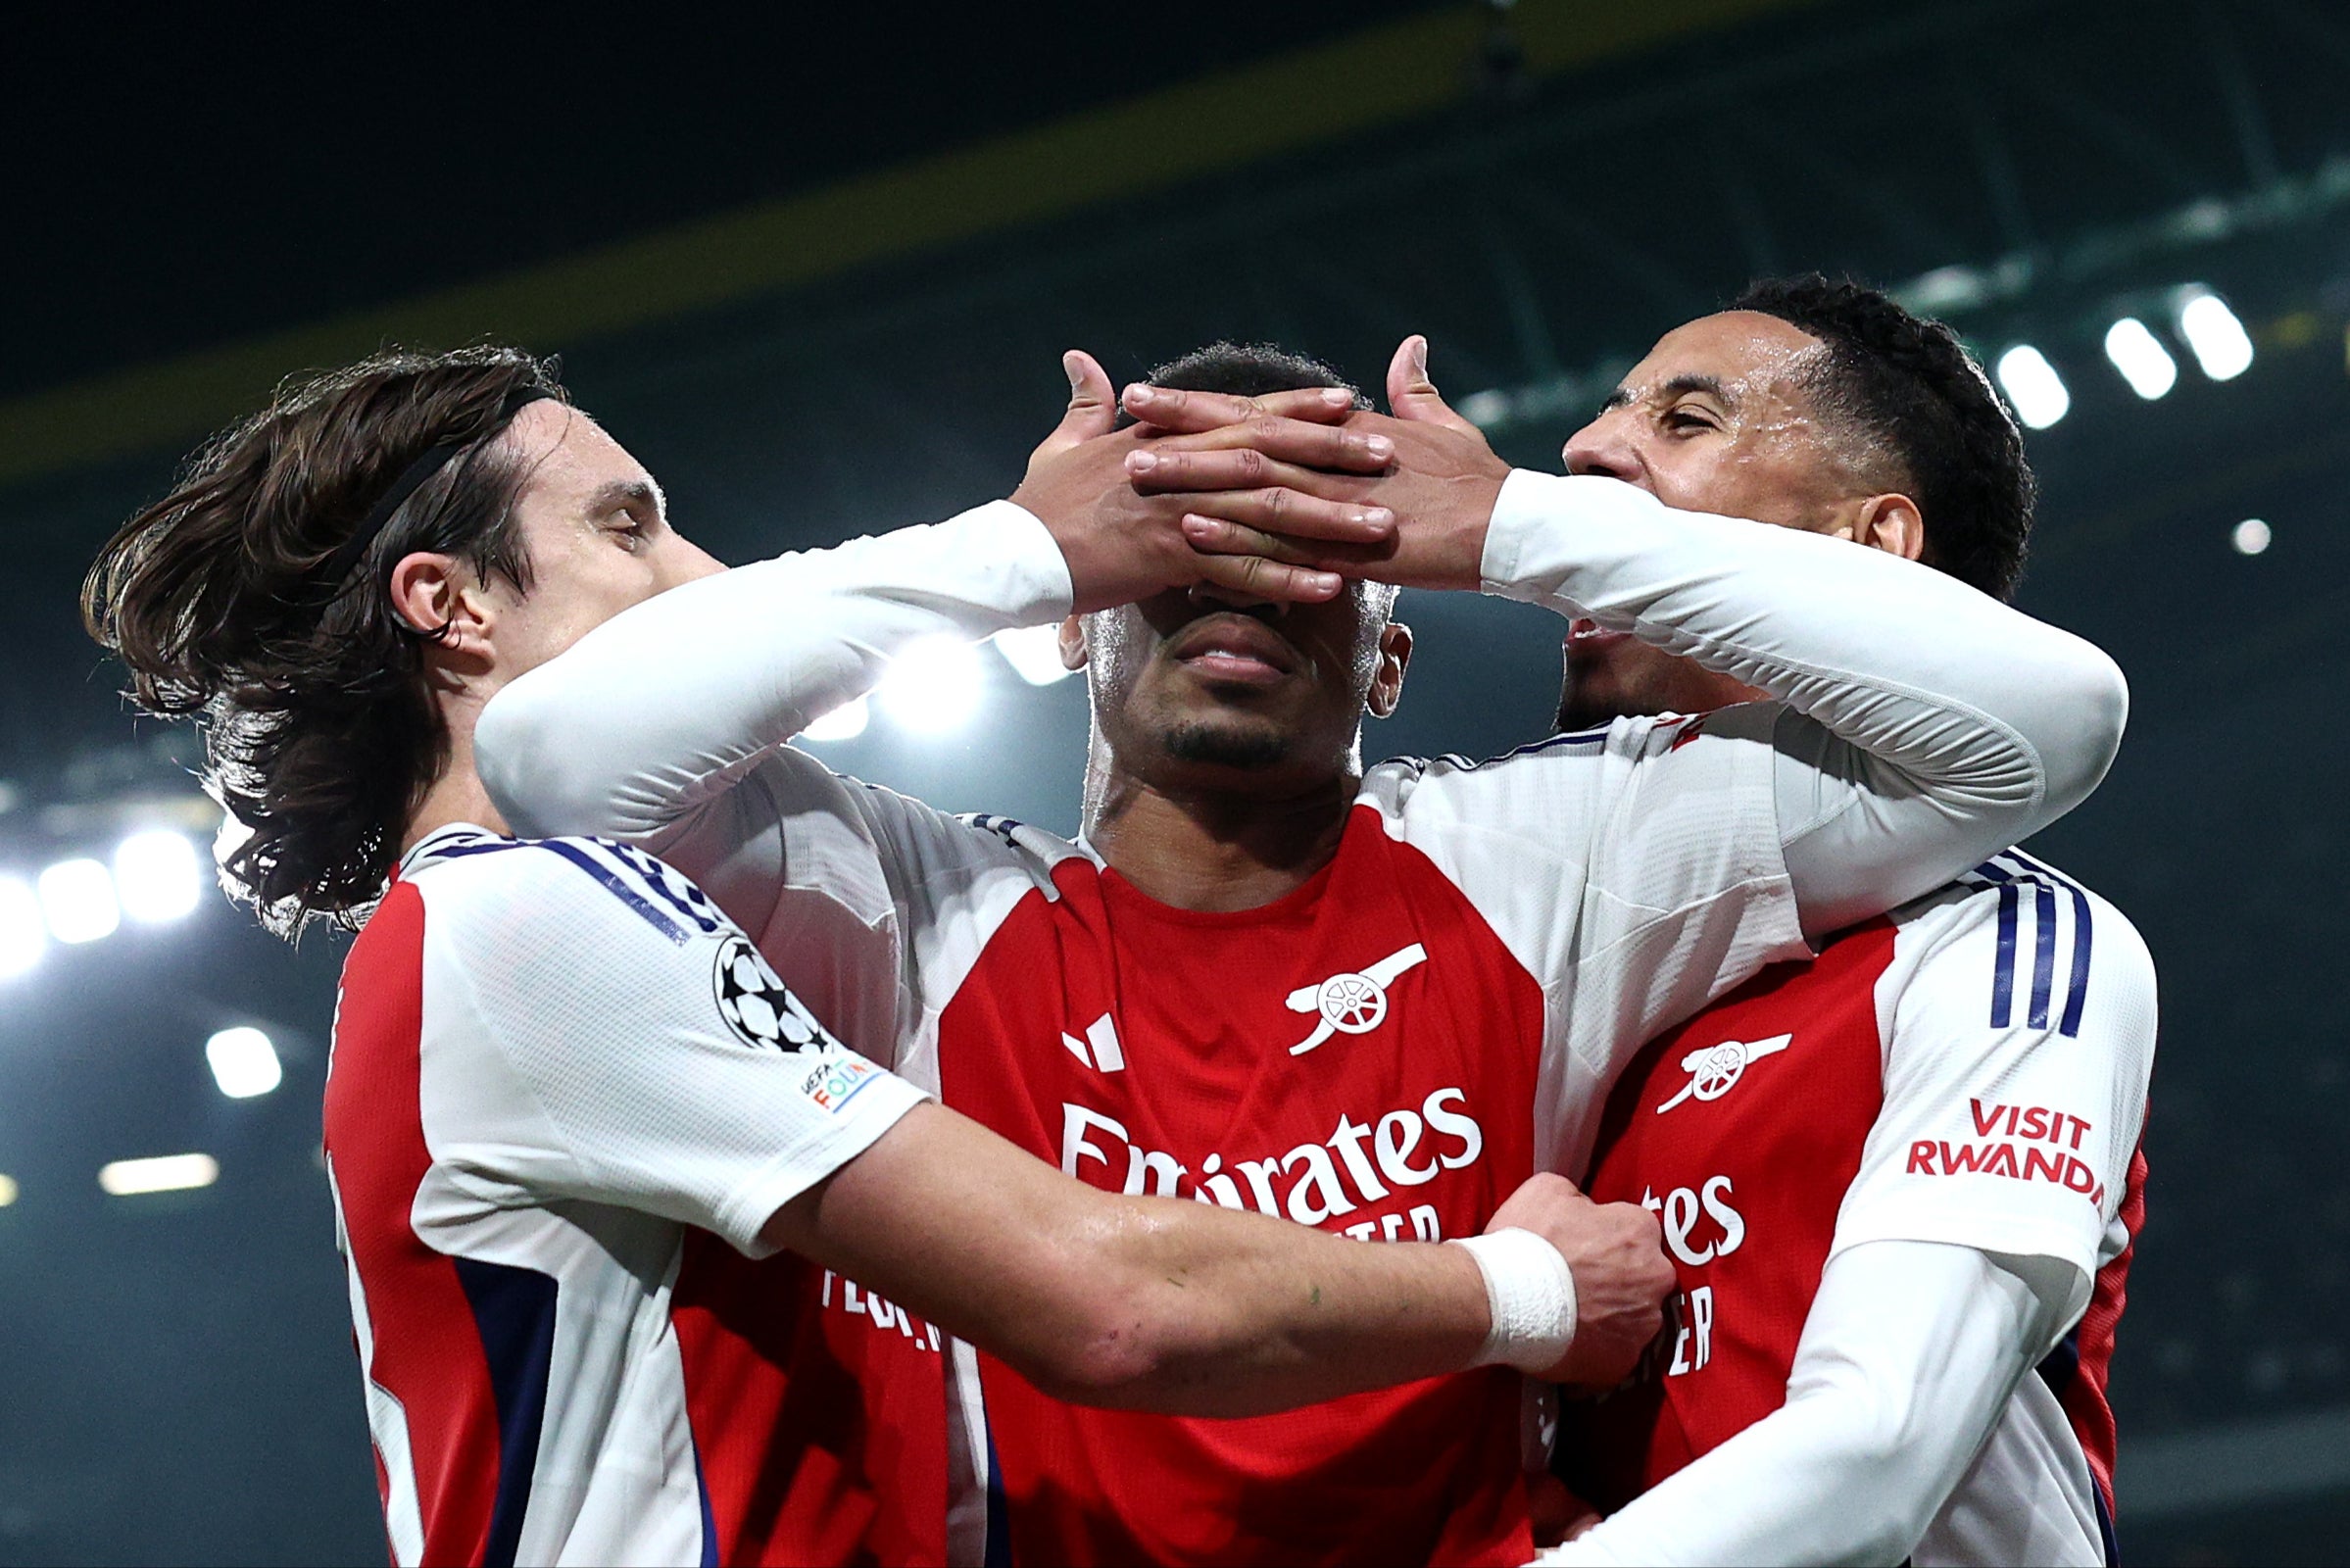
(1244, 748)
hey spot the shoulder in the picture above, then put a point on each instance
(2028, 944)
(570, 886)
(1396, 783)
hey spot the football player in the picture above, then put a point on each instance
(1901, 1181)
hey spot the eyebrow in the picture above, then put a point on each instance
(618, 493)
(1677, 386)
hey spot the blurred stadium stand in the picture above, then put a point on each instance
(841, 312)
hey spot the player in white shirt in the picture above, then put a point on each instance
(592, 1162)
(1901, 1181)
(1264, 978)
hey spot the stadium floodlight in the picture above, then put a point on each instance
(2250, 537)
(158, 876)
(24, 934)
(844, 723)
(2217, 339)
(2032, 385)
(2140, 357)
(933, 685)
(77, 899)
(243, 1062)
(1034, 651)
(164, 1173)
(8, 1190)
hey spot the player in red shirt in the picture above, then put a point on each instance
(573, 1121)
(1901, 1181)
(1265, 977)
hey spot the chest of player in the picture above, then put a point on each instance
(1746, 1124)
(1359, 1055)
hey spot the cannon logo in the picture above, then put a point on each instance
(1352, 1003)
(1715, 1070)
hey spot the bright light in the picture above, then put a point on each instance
(23, 931)
(2250, 538)
(243, 1062)
(844, 723)
(2140, 357)
(78, 898)
(2032, 385)
(1035, 651)
(8, 1190)
(2214, 335)
(158, 875)
(933, 685)
(165, 1173)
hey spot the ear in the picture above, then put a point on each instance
(1386, 683)
(431, 592)
(1892, 524)
(1073, 652)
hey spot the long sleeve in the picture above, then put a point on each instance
(661, 708)
(1927, 724)
(1909, 1354)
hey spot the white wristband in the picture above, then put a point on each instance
(1531, 1294)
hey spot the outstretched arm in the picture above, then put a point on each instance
(658, 710)
(1182, 1308)
(1928, 724)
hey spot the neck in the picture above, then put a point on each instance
(458, 795)
(1215, 850)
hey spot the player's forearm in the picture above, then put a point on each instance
(1978, 724)
(1909, 1355)
(1132, 1303)
(668, 703)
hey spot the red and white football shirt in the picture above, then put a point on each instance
(1971, 1071)
(565, 1093)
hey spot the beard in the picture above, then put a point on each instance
(1246, 747)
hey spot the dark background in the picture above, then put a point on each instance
(201, 204)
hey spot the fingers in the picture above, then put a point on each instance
(1222, 536)
(1093, 405)
(1316, 497)
(1263, 578)
(1331, 448)
(1412, 395)
(1171, 409)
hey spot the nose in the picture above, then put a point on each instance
(1603, 448)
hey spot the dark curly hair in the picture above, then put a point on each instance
(320, 732)
(1910, 391)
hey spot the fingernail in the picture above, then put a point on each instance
(1374, 516)
(1338, 397)
(1074, 368)
(1419, 357)
(1324, 582)
(1380, 447)
(1142, 392)
(1141, 462)
(1196, 524)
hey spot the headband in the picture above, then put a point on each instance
(434, 459)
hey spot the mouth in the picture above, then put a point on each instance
(1586, 636)
(1230, 649)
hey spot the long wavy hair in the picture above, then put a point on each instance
(321, 734)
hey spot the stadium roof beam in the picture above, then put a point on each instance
(2254, 143)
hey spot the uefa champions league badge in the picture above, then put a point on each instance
(756, 1004)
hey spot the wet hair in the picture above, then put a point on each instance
(1909, 391)
(225, 600)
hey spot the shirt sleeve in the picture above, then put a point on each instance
(2017, 1064)
(1926, 725)
(602, 1033)
(1910, 1352)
